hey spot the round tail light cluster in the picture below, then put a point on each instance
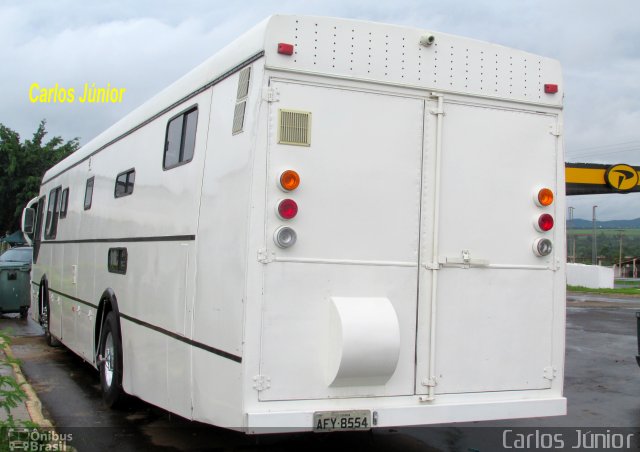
(544, 223)
(287, 209)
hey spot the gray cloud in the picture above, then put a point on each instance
(145, 45)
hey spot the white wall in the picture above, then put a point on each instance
(591, 276)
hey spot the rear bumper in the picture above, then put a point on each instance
(419, 414)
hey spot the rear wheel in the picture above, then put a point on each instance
(23, 312)
(44, 316)
(110, 363)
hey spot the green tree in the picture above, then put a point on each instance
(22, 166)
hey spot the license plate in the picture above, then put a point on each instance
(333, 421)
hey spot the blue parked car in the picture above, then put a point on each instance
(15, 280)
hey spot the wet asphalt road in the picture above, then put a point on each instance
(602, 385)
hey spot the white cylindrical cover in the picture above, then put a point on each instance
(363, 341)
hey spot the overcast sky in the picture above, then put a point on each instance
(145, 45)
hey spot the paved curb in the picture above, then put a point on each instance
(33, 403)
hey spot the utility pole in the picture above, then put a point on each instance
(594, 252)
(620, 261)
(573, 253)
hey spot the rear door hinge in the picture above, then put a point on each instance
(550, 373)
(270, 94)
(555, 129)
(264, 256)
(261, 382)
(430, 382)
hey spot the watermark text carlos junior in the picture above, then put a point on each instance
(90, 94)
(582, 439)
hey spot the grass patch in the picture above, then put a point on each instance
(621, 282)
(629, 291)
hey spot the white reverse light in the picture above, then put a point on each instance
(285, 237)
(542, 247)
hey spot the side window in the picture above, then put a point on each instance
(180, 140)
(124, 183)
(64, 203)
(88, 193)
(117, 260)
(51, 225)
(38, 231)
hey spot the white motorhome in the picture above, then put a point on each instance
(329, 224)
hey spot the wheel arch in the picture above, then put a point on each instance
(44, 286)
(108, 303)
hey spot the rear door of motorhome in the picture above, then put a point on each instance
(353, 272)
(492, 324)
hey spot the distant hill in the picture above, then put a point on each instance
(578, 223)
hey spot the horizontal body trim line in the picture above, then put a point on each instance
(162, 238)
(187, 341)
(162, 112)
(215, 351)
(304, 260)
(74, 299)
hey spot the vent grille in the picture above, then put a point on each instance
(295, 128)
(243, 83)
(238, 117)
(241, 100)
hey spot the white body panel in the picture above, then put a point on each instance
(412, 291)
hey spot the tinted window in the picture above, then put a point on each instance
(124, 183)
(180, 140)
(38, 232)
(117, 260)
(88, 194)
(64, 203)
(51, 225)
(191, 120)
(174, 139)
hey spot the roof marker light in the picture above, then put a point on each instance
(550, 88)
(285, 49)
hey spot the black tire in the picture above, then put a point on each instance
(44, 316)
(110, 363)
(24, 311)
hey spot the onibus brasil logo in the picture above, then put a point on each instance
(35, 439)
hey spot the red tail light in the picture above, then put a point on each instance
(287, 209)
(545, 222)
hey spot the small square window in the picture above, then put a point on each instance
(117, 260)
(124, 183)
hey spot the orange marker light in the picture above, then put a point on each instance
(289, 180)
(545, 197)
